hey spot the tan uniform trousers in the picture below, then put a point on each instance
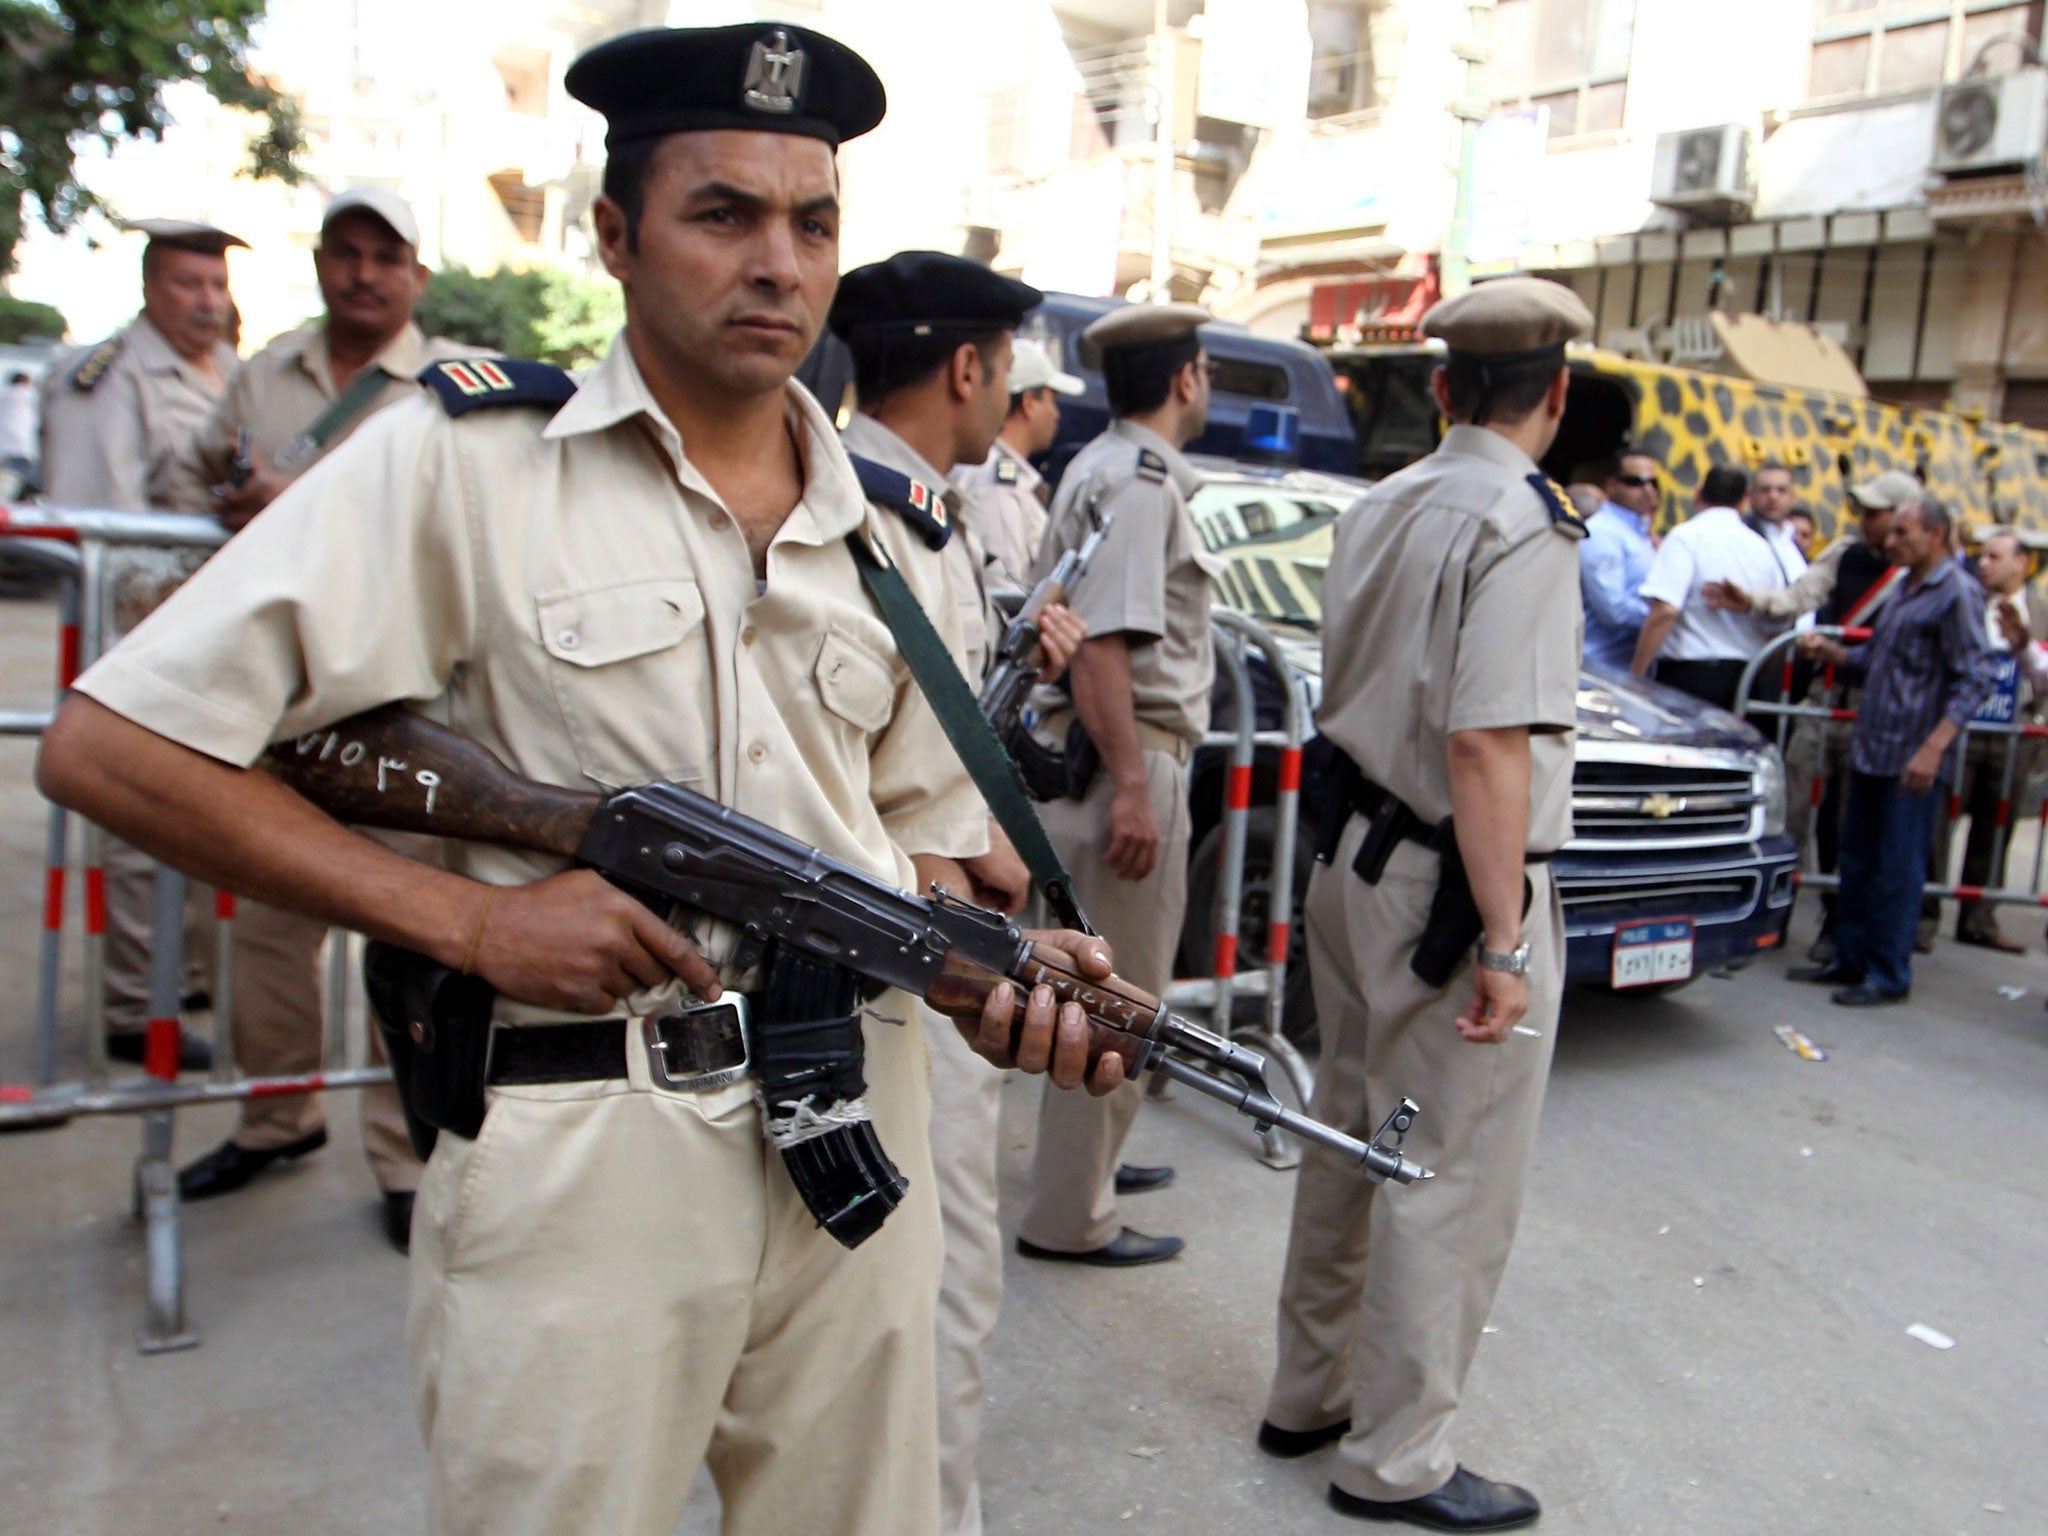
(130, 904)
(1387, 1288)
(966, 1113)
(614, 1282)
(278, 1033)
(1080, 1138)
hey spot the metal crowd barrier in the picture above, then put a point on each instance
(76, 544)
(1778, 654)
(1219, 993)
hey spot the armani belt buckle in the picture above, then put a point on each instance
(677, 1039)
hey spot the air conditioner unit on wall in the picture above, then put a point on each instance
(1703, 168)
(1992, 122)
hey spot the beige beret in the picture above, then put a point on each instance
(1509, 314)
(1137, 325)
(185, 235)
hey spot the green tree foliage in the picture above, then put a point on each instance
(21, 320)
(72, 71)
(548, 315)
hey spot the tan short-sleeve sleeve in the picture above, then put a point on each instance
(1518, 638)
(1123, 591)
(354, 588)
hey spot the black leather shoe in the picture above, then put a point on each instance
(1829, 975)
(228, 1167)
(1468, 1502)
(398, 1218)
(194, 1054)
(1134, 1179)
(1823, 951)
(1120, 1252)
(1290, 1443)
(1860, 996)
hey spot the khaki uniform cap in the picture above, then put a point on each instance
(1510, 314)
(185, 235)
(1138, 325)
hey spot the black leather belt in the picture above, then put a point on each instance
(694, 1049)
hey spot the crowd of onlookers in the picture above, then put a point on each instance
(1914, 630)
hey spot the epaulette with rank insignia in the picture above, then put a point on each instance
(94, 365)
(1562, 517)
(920, 505)
(1006, 471)
(1150, 465)
(463, 384)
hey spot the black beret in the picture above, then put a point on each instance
(760, 75)
(916, 291)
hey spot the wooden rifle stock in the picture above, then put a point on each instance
(394, 769)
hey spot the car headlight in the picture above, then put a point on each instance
(1770, 789)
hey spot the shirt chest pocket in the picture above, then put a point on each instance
(630, 668)
(853, 682)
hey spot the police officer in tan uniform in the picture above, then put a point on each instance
(930, 336)
(1006, 495)
(1140, 688)
(644, 577)
(1451, 641)
(115, 419)
(291, 404)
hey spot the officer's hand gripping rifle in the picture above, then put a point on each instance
(394, 769)
(1015, 669)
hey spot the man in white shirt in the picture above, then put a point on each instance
(1006, 497)
(1693, 645)
(18, 424)
(1771, 502)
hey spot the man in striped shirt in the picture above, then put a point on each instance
(1925, 669)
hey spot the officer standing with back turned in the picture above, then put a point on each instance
(1450, 674)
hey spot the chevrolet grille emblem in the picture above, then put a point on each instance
(1660, 806)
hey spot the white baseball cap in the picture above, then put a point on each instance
(1031, 368)
(380, 201)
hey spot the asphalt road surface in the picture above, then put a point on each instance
(1703, 1329)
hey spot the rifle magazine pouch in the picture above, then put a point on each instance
(1042, 768)
(436, 1027)
(807, 1054)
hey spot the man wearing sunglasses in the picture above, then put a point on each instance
(1615, 558)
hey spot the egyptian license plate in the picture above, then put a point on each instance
(1646, 954)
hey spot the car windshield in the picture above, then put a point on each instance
(1275, 541)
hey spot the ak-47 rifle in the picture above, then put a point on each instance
(394, 769)
(1010, 679)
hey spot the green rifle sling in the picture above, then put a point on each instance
(959, 712)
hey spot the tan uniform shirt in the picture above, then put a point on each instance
(282, 390)
(1149, 581)
(114, 445)
(1003, 509)
(571, 593)
(1451, 603)
(964, 559)
(1805, 594)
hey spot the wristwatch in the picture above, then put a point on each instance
(1514, 962)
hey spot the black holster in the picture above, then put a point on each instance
(1052, 773)
(1454, 925)
(436, 1027)
(807, 1052)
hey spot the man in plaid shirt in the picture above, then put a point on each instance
(1925, 669)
